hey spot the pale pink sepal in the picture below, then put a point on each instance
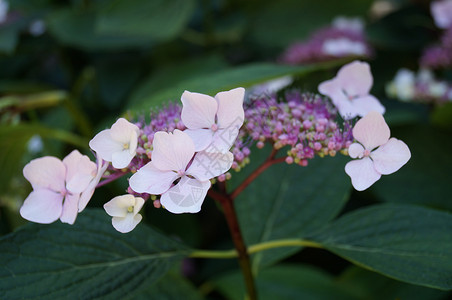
(371, 131)
(442, 13)
(355, 78)
(198, 110)
(362, 173)
(89, 191)
(230, 108)
(356, 150)
(391, 156)
(124, 220)
(70, 208)
(185, 197)
(80, 170)
(46, 172)
(201, 138)
(207, 165)
(172, 151)
(149, 179)
(42, 206)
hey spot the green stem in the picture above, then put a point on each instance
(226, 254)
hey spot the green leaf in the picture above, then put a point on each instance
(290, 201)
(170, 287)
(426, 178)
(408, 243)
(9, 36)
(87, 260)
(77, 28)
(225, 79)
(155, 20)
(286, 282)
(373, 286)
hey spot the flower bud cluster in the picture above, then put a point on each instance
(303, 121)
(344, 38)
(439, 56)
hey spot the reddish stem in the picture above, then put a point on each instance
(112, 177)
(271, 160)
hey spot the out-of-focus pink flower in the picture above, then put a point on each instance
(174, 158)
(377, 153)
(349, 91)
(213, 123)
(442, 13)
(118, 144)
(125, 212)
(58, 187)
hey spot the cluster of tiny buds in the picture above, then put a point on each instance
(439, 56)
(302, 122)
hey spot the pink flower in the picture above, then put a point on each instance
(124, 210)
(118, 144)
(174, 158)
(377, 153)
(442, 13)
(58, 187)
(349, 91)
(213, 123)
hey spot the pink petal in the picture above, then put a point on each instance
(366, 104)
(104, 145)
(362, 173)
(371, 131)
(80, 170)
(70, 208)
(42, 206)
(345, 107)
(356, 150)
(185, 197)
(223, 140)
(209, 165)
(198, 110)
(172, 151)
(355, 78)
(121, 159)
(230, 108)
(46, 172)
(391, 156)
(329, 88)
(89, 191)
(151, 180)
(123, 131)
(200, 137)
(117, 207)
(127, 223)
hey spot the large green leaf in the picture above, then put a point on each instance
(87, 260)
(286, 282)
(408, 243)
(156, 19)
(426, 178)
(289, 201)
(373, 286)
(225, 79)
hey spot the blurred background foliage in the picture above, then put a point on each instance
(70, 68)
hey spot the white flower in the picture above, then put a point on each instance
(124, 210)
(342, 47)
(442, 13)
(404, 82)
(174, 158)
(377, 153)
(118, 144)
(213, 123)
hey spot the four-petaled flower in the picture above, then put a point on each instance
(124, 210)
(174, 158)
(377, 153)
(349, 91)
(118, 144)
(61, 189)
(213, 123)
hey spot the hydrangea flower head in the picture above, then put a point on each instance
(117, 144)
(124, 210)
(58, 187)
(213, 122)
(376, 153)
(349, 91)
(174, 159)
(442, 13)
